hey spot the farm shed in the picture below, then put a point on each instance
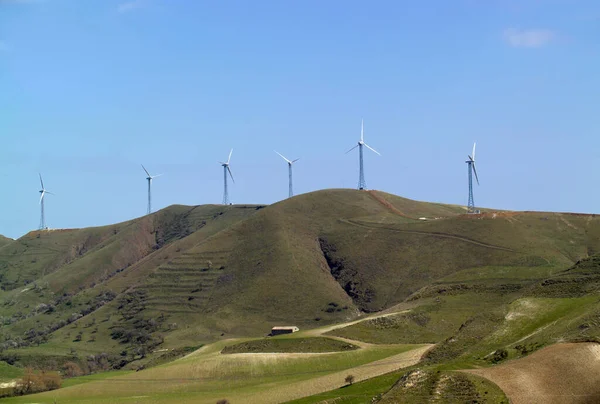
(288, 329)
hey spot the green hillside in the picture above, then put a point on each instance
(4, 240)
(484, 288)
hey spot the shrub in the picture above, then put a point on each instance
(349, 380)
(51, 380)
(499, 355)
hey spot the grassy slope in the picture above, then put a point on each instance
(297, 261)
(5, 240)
(112, 266)
(451, 387)
(302, 253)
(9, 372)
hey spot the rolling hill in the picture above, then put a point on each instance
(484, 288)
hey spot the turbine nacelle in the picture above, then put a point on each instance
(361, 142)
(150, 177)
(471, 161)
(290, 162)
(226, 166)
(43, 191)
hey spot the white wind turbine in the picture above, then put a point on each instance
(471, 166)
(43, 193)
(290, 162)
(149, 179)
(225, 170)
(361, 175)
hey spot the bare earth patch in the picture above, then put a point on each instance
(333, 381)
(561, 373)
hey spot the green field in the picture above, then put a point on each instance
(205, 375)
(301, 345)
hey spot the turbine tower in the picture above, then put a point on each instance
(361, 176)
(225, 170)
(43, 192)
(289, 171)
(150, 178)
(471, 166)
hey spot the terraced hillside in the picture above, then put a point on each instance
(78, 272)
(185, 283)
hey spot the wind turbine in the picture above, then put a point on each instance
(289, 171)
(471, 165)
(43, 192)
(225, 170)
(361, 176)
(150, 178)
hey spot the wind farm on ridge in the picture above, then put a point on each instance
(362, 184)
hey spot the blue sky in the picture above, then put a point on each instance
(89, 90)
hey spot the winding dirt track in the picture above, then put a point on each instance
(561, 373)
(427, 233)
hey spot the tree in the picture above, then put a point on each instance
(34, 382)
(71, 369)
(223, 401)
(349, 380)
(29, 383)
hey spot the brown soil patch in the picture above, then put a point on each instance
(388, 205)
(561, 373)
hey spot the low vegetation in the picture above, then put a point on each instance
(298, 345)
(417, 386)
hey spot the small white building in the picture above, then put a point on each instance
(286, 329)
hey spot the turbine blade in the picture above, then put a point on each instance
(475, 171)
(41, 182)
(362, 130)
(231, 175)
(473, 151)
(351, 149)
(146, 171)
(293, 161)
(282, 156)
(154, 176)
(42, 197)
(372, 148)
(48, 192)
(229, 159)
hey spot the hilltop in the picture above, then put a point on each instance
(185, 276)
